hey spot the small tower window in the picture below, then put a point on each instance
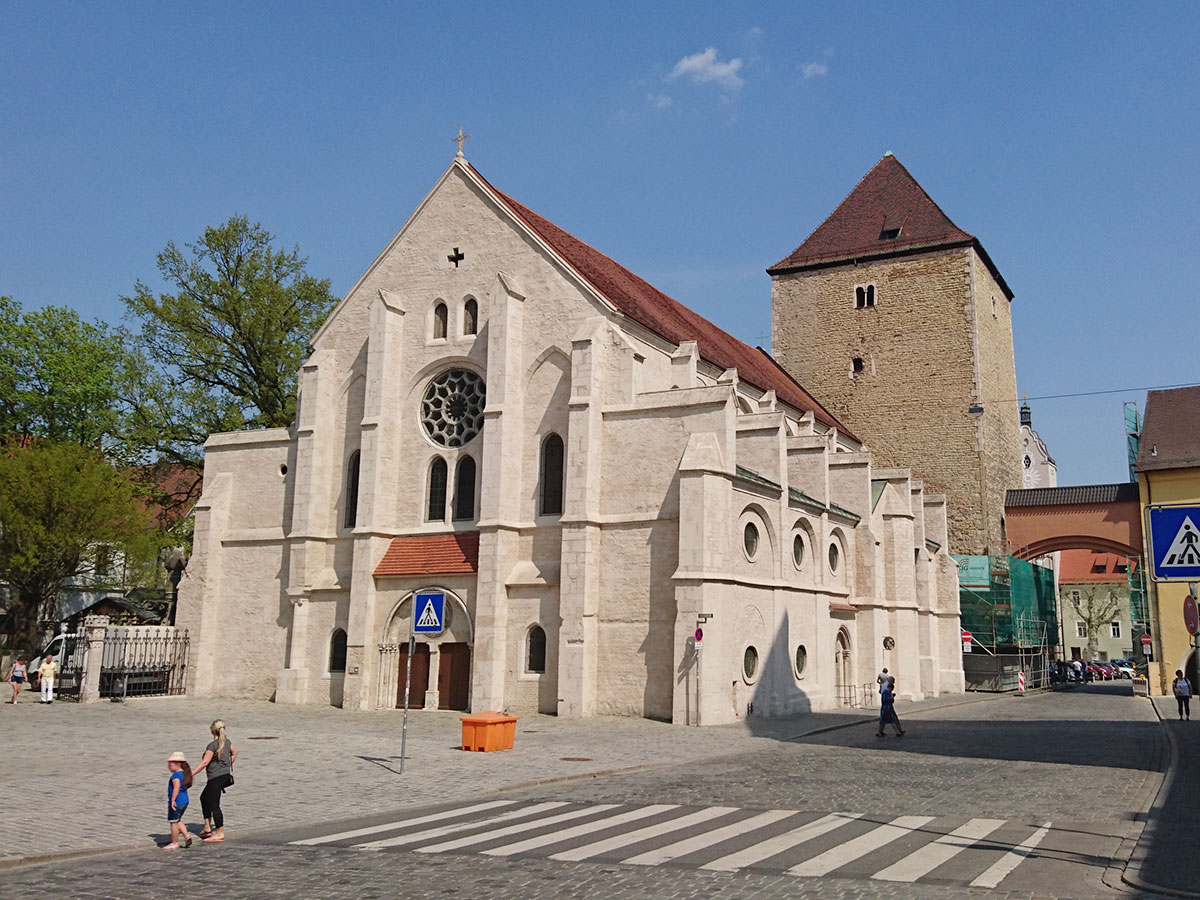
(471, 317)
(535, 650)
(857, 365)
(440, 319)
(551, 500)
(352, 469)
(864, 296)
(436, 511)
(464, 489)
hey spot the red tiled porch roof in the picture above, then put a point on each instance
(432, 554)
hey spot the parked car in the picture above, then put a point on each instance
(1124, 669)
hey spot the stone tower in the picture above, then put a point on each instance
(900, 322)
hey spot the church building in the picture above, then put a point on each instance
(586, 499)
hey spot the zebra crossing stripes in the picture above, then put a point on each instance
(1000, 870)
(442, 831)
(779, 843)
(392, 826)
(587, 851)
(484, 837)
(848, 852)
(708, 839)
(902, 849)
(558, 837)
(941, 851)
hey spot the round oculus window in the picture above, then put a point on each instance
(452, 408)
(835, 557)
(801, 660)
(750, 539)
(750, 662)
(798, 550)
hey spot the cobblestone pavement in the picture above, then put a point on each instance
(1087, 760)
(338, 760)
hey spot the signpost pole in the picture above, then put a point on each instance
(412, 648)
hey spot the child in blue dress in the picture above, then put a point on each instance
(177, 799)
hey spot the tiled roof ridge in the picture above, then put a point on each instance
(844, 234)
(579, 254)
(843, 252)
(833, 211)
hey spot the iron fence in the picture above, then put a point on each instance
(70, 667)
(140, 662)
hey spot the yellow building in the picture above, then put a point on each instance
(1168, 468)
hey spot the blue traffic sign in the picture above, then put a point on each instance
(1174, 542)
(430, 610)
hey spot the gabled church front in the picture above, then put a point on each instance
(581, 472)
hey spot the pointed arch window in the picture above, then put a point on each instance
(464, 489)
(550, 503)
(437, 491)
(535, 650)
(471, 317)
(440, 321)
(352, 470)
(337, 651)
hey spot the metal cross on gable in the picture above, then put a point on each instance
(460, 139)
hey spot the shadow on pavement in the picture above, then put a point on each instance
(1170, 859)
(1076, 742)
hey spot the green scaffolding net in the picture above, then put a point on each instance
(1007, 603)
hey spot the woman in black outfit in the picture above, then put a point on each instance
(218, 760)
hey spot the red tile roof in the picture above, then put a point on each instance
(433, 554)
(886, 199)
(1079, 567)
(666, 316)
(1171, 430)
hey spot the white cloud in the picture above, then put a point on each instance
(814, 69)
(659, 99)
(705, 67)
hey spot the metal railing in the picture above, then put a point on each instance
(140, 662)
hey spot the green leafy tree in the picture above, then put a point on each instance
(60, 506)
(61, 377)
(221, 351)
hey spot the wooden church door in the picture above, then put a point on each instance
(420, 677)
(454, 676)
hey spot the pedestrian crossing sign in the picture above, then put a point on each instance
(430, 609)
(1174, 542)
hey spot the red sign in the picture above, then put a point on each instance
(699, 635)
(1191, 615)
(1147, 640)
(966, 636)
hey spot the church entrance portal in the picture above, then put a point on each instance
(441, 663)
(841, 670)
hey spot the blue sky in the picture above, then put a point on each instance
(695, 144)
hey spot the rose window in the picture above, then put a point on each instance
(452, 408)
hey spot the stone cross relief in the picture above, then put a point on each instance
(456, 257)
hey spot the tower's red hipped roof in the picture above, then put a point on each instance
(887, 201)
(432, 554)
(667, 317)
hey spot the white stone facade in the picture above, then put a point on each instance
(668, 459)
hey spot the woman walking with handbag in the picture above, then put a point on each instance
(217, 763)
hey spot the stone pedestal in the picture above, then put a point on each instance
(94, 629)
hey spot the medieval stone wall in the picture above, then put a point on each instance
(909, 403)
